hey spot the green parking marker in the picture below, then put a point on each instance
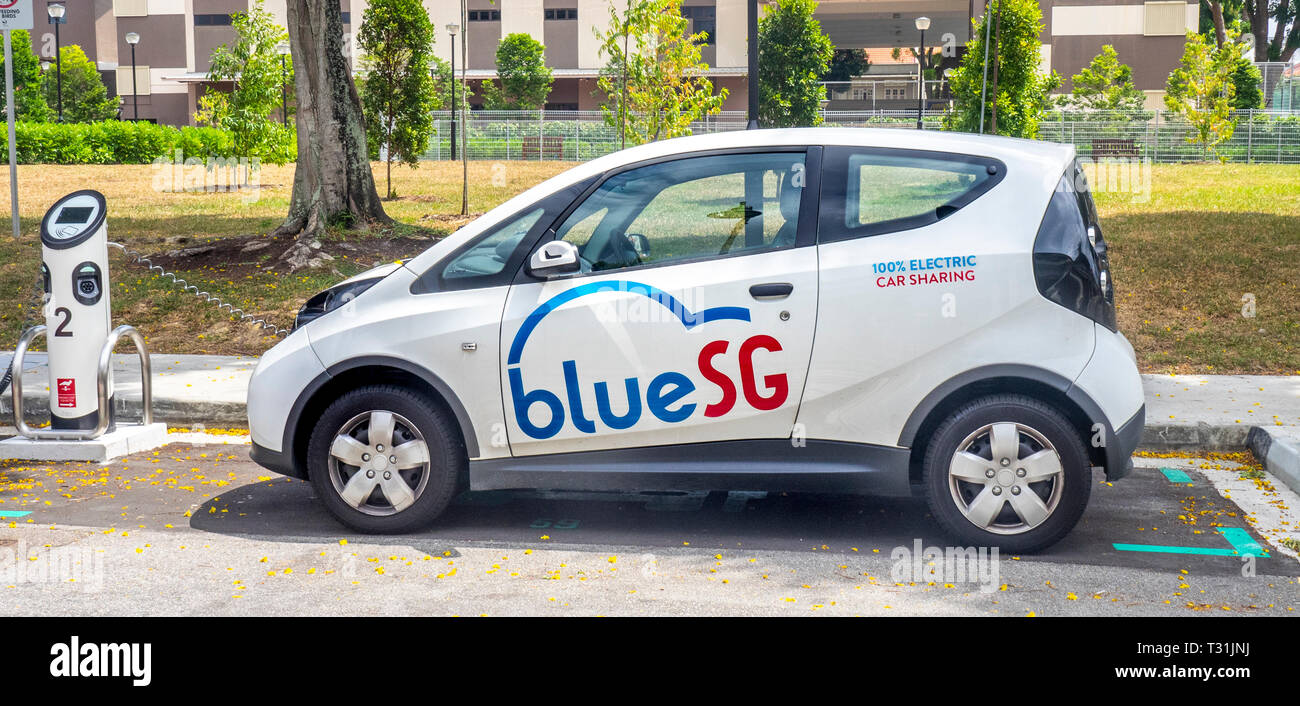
(14, 513)
(1176, 476)
(1240, 539)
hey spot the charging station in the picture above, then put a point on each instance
(80, 340)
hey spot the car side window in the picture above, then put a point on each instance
(687, 209)
(493, 257)
(874, 191)
(490, 255)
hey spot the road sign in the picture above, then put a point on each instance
(16, 14)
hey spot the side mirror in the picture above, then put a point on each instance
(557, 257)
(640, 244)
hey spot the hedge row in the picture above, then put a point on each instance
(113, 142)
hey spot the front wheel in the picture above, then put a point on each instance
(1007, 471)
(383, 459)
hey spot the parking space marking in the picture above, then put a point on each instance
(1240, 539)
(1176, 476)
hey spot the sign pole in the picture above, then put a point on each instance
(13, 149)
(14, 14)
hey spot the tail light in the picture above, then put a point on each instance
(1071, 267)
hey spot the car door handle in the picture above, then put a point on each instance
(771, 290)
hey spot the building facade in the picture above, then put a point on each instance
(177, 38)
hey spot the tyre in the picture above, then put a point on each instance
(384, 459)
(1007, 471)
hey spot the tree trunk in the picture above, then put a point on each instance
(1220, 31)
(1284, 10)
(332, 182)
(997, 56)
(1256, 12)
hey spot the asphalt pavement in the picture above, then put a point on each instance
(200, 529)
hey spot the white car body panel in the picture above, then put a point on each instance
(622, 334)
(281, 374)
(886, 339)
(1111, 377)
(427, 330)
(858, 358)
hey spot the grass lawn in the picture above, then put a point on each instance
(1183, 259)
(1210, 239)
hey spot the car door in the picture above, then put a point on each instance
(691, 319)
(925, 274)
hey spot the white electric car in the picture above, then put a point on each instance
(829, 310)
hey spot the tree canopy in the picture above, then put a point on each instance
(398, 95)
(647, 47)
(1201, 89)
(1105, 84)
(1017, 93)
(259, 74)
(794, 54)
(29, 97)
(525, 78)
(85, 98)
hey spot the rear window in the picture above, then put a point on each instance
(873, 191)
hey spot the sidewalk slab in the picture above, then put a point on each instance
(187, 389)
(126, 439)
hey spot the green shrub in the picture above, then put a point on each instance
(122, 142)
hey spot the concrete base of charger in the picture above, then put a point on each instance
(127, 439)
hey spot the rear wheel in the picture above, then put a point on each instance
(1007, 471)
(383, 459)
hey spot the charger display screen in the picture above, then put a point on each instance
(75, 214)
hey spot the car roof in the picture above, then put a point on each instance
(1008, 149)
(1016, 152)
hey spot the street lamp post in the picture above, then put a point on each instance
(922, 23)
(452, 29)
(133, 39)
(752, 51)
(283, 50)
(56, 12)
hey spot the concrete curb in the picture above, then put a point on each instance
(175, 412)
(1188, 437)
(1280, 455)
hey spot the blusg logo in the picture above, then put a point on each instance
(667, 396)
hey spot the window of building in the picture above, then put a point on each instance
(895, 93)
(1164, 19)
(702, 20)
(704, 12)
(347, 17)
(484, 15)
(142, 87)
(128, 8)
(570, 13)
(219, 20)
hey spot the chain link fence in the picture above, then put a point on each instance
(1260, 136)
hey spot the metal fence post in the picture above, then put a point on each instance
(1155, 157)
(1250, 136)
